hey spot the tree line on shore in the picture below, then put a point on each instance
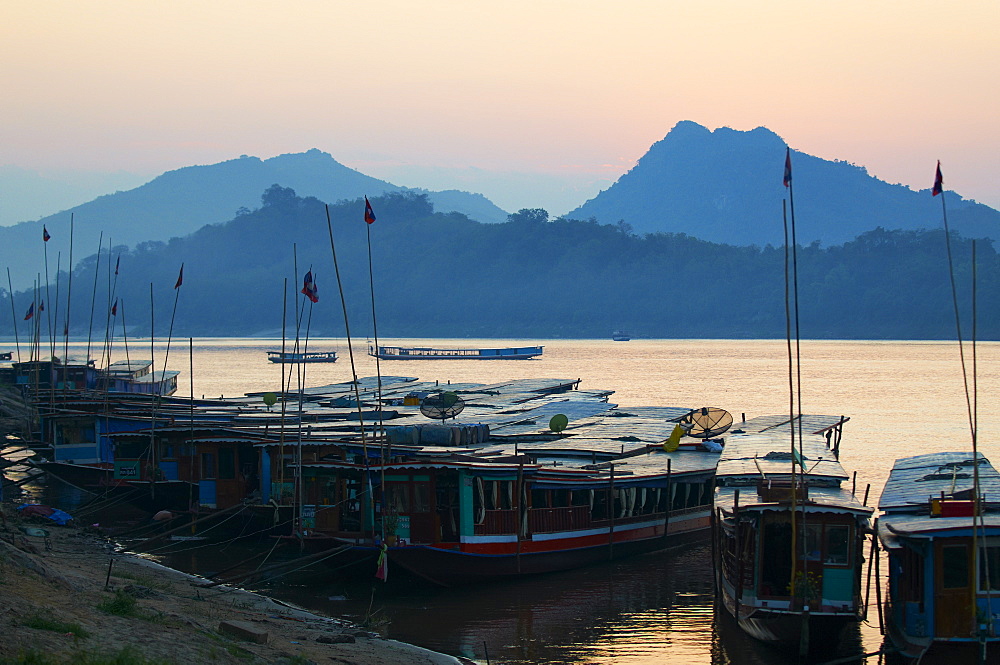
(444, 275)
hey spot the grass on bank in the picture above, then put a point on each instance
(123, 604)
(127, 656)
(41, 621)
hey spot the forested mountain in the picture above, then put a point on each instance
(726, 186)
(182, 201)
(446, 275)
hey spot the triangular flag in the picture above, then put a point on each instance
(180, 278)
(938, 181)
(309, 288)
(369, 213)
(787, 180)
(31, 312)
(114, 308)
(45, 234)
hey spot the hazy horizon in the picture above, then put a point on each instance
(531, 104)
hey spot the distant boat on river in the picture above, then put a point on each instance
(296, 357)
(428, 353)
(620, 336)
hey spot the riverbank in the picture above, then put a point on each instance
(67, 597)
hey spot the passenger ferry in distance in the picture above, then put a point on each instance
(299, 357)
(429, 353)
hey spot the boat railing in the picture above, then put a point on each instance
(497, 522)
(546, 520)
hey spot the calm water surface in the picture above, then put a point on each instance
(903, 398)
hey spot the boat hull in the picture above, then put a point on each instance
(426, 353)
(453, 567)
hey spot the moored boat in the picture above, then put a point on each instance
(302, 357)
(429, 353)
(620, 336)
(943, 602)
(788, 538)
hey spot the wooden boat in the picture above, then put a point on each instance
(307, 357)
(759, 513)
(456, 516)
(461, 522)
(428, 353)
(944, 561)
(620, 336)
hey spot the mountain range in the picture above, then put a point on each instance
(726, 186)
(180, 202)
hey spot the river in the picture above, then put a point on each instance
(903, 398)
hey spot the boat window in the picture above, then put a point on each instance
(421, 498)
(227, 463)
(911, 578)
(838, 538)
(989, 568)
(954, 566)
(396, 497)
(812, 543)
(207, 465)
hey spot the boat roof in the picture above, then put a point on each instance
(768, 454)
(156, 376)
(894, 527)
(914, 480)
(811, 424)
(820, 500)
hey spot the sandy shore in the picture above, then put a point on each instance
(55, 607)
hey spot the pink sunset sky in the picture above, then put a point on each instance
(561, 95)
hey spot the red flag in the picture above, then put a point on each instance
(45, 234)
(938, 181)
(787, 180)
(41, 307)
(180, 278)
(369, 213)
(309, 288)
(114, 308)
(31, 312)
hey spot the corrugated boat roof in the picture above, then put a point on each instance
(748, 455)
(913, 480)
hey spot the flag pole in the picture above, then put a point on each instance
(69, 293)
(939, 189)
(48, 314)
(369, 220)
(93, 296)
(284, 396)
(350, 353)
(55, 305)
(13, 316)
(170, 330)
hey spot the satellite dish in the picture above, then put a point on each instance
(558, 422)
(706, 422)
(441, 406)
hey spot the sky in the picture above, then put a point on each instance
(534, 103)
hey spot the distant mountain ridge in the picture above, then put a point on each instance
(180, 202)
(722, 186)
